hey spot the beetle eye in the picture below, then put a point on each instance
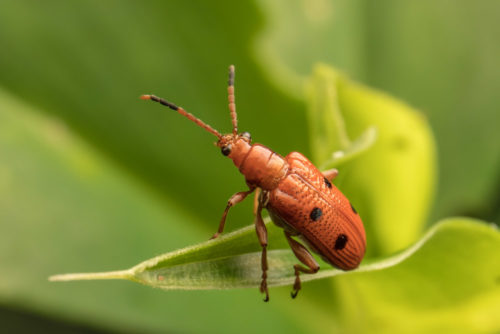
(246, 135)
(226, 150)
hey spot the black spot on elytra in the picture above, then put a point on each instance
(340, 242)
(316, 214)
(328, 183)
(353, 209)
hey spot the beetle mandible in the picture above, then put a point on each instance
(298, 197)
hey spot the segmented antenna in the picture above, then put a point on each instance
(183, 112)
(230, 97)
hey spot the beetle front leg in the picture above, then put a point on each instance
(261, 230)
(330, 174)
(235, 199)
(305, 257)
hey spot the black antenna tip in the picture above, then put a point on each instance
(230, 82)
(160, 100)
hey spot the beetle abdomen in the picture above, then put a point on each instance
(310, 205)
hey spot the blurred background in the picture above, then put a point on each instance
(94, 179)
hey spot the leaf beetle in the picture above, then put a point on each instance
(299, 198)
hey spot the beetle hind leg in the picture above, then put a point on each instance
(306, 258)
(261, 230)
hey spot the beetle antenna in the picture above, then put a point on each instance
(230, 97)
(183, 112)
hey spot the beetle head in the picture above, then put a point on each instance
(231, 144)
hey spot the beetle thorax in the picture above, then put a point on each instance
(261, 166)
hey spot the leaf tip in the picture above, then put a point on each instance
(119, 274)
(55, 278)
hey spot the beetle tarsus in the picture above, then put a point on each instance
(263, 286)
(263, 289)
(296, 286)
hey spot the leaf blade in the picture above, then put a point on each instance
(214, 270)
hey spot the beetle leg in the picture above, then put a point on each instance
(331, 174)
(261, 230)
(256, 201)
(235, 199)
(305, 257)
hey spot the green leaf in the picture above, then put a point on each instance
(378, 180)
(300, 34)
(223, 263)
(357, 147)
(330, 143)
(423, 53)
(451, 284)
(434, 272)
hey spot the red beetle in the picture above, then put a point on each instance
(298, 197)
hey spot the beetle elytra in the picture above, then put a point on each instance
(298, 197)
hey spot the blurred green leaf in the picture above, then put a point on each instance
(357, 147)
(448, 70)
(378, 180)
(329, 141)
(299, 34)
(450, 285)
(326, 124)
